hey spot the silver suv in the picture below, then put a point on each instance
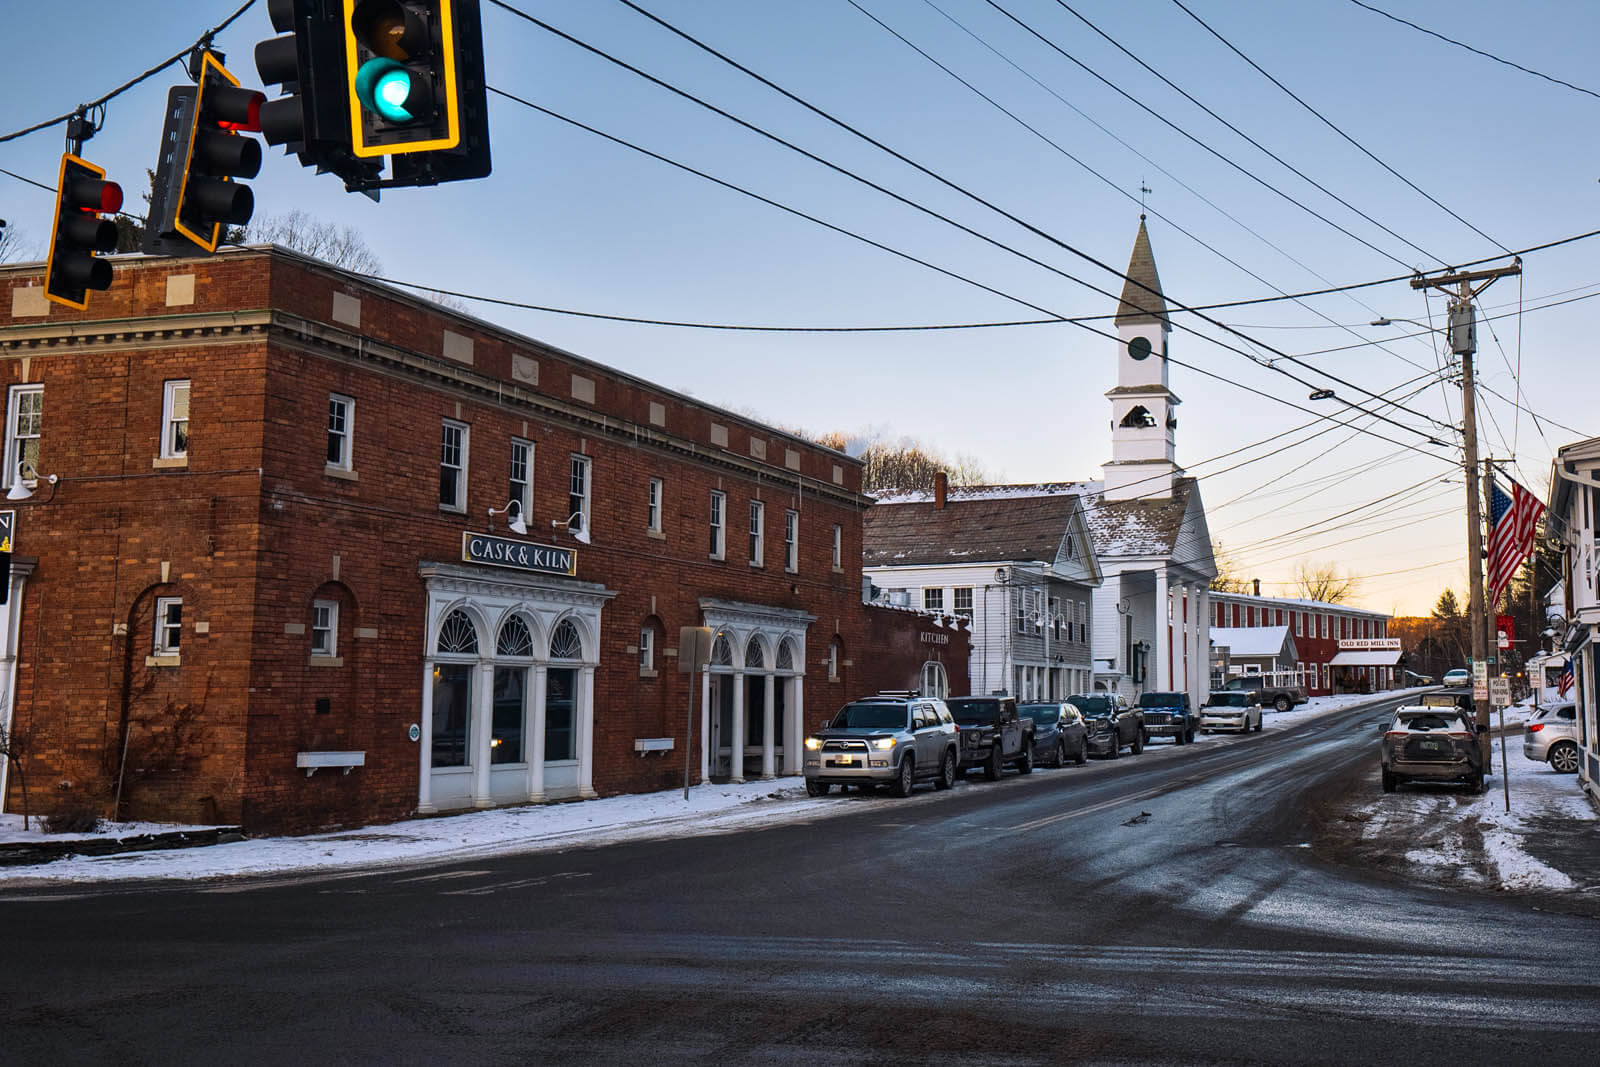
(889, 739)
(1552, 737)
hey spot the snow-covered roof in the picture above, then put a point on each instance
(1251, 640)
(1294, 602)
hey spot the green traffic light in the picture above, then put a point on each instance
(386, 88)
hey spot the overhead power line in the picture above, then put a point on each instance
(1330, 124)
(1476, 51)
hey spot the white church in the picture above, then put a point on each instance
(1133, 547)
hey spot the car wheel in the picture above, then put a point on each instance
(903, 779)
(1258, 724)
(1388, 781)
(1183, 737)
(994, 764)
(1083, 753)
(1116, 747)
(947, 772)
(1061, 754)
(1564, 758)
(1025, 764)
(817, 789)
(1138, 742)
(1282, 703)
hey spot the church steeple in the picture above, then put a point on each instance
(1144, 421)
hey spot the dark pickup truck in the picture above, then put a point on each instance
(1280, 697)
(992, 735)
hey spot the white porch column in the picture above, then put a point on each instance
(705, 725)
(769, 744)
(482, 732)
(425, 746)
(736, 748)
(1163, 632)
(586, 737)
(1202, 640)
(535, 721)
(795, 746)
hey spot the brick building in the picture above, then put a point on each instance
(271, 570)
(1336, 647)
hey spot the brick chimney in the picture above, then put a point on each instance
(941, 489)
(1257, 583)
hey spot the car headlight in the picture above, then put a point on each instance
(813, 743)
(882, 743)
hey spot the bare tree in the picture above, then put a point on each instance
(1322, 581)
(343, 246)
(11, 245)
(902, 463)
(1228, 579)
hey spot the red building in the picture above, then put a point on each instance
(273, 568)
(1317, 629)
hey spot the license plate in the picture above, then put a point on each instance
(842, 763)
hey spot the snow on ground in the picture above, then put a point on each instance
(708, 809)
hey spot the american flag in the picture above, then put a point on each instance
(1564, 686)
(1511, 522)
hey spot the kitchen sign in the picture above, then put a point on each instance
(519, 555)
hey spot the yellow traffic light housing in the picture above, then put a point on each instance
(79, 234)
(400, 59)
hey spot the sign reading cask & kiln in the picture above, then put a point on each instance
(521, 555)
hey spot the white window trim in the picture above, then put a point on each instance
(655, 495)
(586, 463)
(838, 547)
(169, 396)
(332, 649)
(347, 463)
(460, 503)
(163, 647)
(931, 593)
(647, 651)
(719, 524)
(13, 450)
(525, 501)
(791, 540)
(758, 533)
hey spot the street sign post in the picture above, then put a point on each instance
(1500, 697)
(1480, 680)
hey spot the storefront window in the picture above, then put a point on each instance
(510, 686)
(559, 705)
(452, 714)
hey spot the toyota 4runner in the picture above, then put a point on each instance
(892, 740)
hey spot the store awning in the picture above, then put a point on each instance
(1385, 657)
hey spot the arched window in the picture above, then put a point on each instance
(754, 658)
(565, 642)
(721, 652)
(1139, 416)
(458, 634)
(786, 655)
(514, 640)
(934, 681)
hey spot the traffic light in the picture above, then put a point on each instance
(312, 117)
(204, 155)
(415, 75)
(80, 234)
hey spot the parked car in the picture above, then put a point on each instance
(1058, 733)
(1113, 724)
(1431, 744)
(1412, 678)
(992, 735)
(1457, 676)
(1551, 737)
(889, 740)
(1236, 711)
(1281, 697)
(1168, 715)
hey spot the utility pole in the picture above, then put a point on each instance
(1463, 338)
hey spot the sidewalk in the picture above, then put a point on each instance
(1519, 840)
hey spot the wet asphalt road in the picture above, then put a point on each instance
(1164, 908)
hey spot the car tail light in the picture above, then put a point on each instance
(1461, 735)
(1535, 727)
(1396, 733)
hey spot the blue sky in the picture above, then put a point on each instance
(572, 221)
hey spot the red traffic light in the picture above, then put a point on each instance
(79, 235)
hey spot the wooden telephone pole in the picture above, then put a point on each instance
(1463, 336)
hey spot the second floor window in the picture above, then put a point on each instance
(521, 477)
(933, 599)
(838, 546)
(169, 625)
(578, 496)
(341, 423)
(758, 529)
(25, 421)
(791, 540)
(453, 466)
(653, 506)
(325, 628)
(647, 649)
(719, 542)
(175, 419)
(963, 601)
